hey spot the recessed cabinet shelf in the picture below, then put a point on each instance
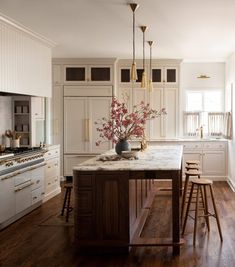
(22, 119)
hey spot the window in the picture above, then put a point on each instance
(208, 105)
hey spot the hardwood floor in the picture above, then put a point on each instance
(28, 243)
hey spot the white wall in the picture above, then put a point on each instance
(5, 116)
(188, 80)
(229, 106)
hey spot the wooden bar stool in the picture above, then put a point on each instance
(192, 162)
(194, 173)
(66, 205)
(201, 185)
(192, 167)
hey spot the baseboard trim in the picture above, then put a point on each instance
(231, 184)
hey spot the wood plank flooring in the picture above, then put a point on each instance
(27, 243)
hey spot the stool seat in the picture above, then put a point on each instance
(192, 167)
(197, 162)
(193, 173)
(66, 205)
(201, 181)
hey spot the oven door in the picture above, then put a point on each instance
(23, 189)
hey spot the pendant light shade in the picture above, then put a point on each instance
(144, 78)
(150, 83)
(133, 6)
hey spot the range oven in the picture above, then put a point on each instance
(21, 159)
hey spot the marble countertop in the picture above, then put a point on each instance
(185, 140)
(153, 158)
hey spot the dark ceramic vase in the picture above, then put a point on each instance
(122, 145)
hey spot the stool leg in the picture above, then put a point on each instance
(206, 209)
(68, 205)
(65, 199)
(184, 196)
(196, 215)
(188, 207)
(216, 213)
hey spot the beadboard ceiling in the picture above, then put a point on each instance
(201, 30)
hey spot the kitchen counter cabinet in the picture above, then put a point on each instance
(52, 172)
(112, 199)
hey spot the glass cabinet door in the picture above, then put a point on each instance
(170, 76)
(125, 75)
(100, 74)
(75, 74)
(157, 75)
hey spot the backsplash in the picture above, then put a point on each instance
(5, 115)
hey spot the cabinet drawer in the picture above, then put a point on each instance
(214, 145)
(52, 168)
(36, 195)
(37, 182)
(52, 183)
(52, 153)
(193, 145)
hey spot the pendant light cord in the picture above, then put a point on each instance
(150, 63)
(133, 36)
(143, 51)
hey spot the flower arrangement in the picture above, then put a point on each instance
(123, 125)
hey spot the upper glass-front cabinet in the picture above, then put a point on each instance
(125, 75)
(160, 75)
(80, 74)
(165, 75)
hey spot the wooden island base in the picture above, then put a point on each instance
(111, 207)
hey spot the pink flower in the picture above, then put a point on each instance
(124, 125)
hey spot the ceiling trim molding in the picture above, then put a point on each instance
(16, 25)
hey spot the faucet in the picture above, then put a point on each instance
(201, 131)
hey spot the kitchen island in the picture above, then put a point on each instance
(113, 198)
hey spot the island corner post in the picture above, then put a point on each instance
(112, 204)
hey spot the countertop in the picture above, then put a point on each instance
(186, 140)
(153, 158)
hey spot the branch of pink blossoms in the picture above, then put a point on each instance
(124, 125)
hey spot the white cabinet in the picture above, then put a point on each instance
(165, 126)
(165, 77)
(37, 179)
(57, 76)
(80, 132)
(52, 172)
(7, 198)
(211, 155)
(88, 74)
(38, 108)
(213, 163)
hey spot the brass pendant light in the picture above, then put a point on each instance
(133, 6)
(143, 80)
(150, 83)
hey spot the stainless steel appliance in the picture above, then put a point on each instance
(20, 158)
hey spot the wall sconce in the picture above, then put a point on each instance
(203, 76)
